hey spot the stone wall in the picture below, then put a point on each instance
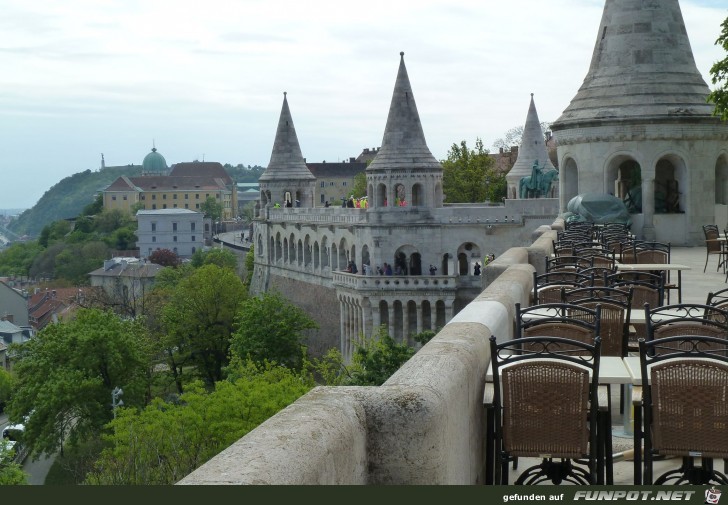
(423, 426)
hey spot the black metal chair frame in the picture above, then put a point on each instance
(664, 351)
(549, 351)
(713, 319)
(556, 279)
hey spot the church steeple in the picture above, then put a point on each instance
(642, 66)
(403, 145)
(532, 149)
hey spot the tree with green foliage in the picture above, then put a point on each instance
(223, 258)
(66, 373)
(7, 384)
(249, 267)
(270, 328)
(11, 473)
(54, 232)
(18, 258)
(95, 207)
(465, 173)
(199, 321)
(164, 442)
(719, 76)
(77, 260)
(360, 185)
(212, 208)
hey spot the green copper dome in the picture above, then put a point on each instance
(154, 162)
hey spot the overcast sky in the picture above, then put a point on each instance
(205, 80)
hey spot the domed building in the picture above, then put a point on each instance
(154, 164)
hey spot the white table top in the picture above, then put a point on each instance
(632, 364)
(651, 266)
(612, 370)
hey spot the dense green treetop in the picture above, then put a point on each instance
(468, 174)
(719, 77)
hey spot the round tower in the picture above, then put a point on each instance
(287, 181)
(154, 163)
(640, 127)
(404, 172)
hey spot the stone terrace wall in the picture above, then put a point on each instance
(423, 426)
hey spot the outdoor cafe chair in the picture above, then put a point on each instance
(683, 412)
(545, 405)
(686, 319)
(714, 246)
(547, 287)
(572, 262)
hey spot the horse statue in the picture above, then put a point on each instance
(538, 184)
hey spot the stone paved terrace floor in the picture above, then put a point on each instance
(695, 289)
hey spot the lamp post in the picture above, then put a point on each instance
(115, 401)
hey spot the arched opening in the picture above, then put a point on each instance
(299, 255)
(324, 252)
(352, 258)
(426, 316)
(670, 185)
(343, 259)
(400, 196)
(411, 329)
(468, 255)
(287, 199)
(445, 264)
(569, 180)
(462, 264)
(272, 251)
(398, 328)
(334, 257)
(721, 180)
(365, 260)
(381, 195)
(285, 250)
(440, 314)
(418, 195)
(316, 257)
(292, 247)
(403, 263)
(260, 245)
(626, 174)
(279, 248)
(415, 264)
(383, 315)
(307, 251)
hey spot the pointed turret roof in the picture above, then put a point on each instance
(403, 145)
(286, 161)
(533, 147)
(642, 67)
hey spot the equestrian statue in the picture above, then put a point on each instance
(538, 184)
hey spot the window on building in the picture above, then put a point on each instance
(187, 206)
(113, 198)
(187, 196)
(193, 239)
(343, 183)
(143, 197)
(154, 239)
(174, 238)
(124, 197)
(154, 206)
(175, 250)
(154, 197)
(332, 183)
(174, 196)
(164, 196)
(154, 226)
(193, 249)
(175, 205)
(174, 226)
(323, 198)
(197, 205)
(192, 226)
(197, 196)
(323, 184)
(149, 251)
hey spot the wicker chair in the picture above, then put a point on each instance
(713, 246)
(547, 287)
(684, 381)
(686, 319)
(545, 403)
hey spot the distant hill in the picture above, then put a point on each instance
(67, 198)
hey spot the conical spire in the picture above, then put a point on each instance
(403, 145)
(642, 67)
(533, 147)
(286, 160)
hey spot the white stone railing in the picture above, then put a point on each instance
(380, 282)
(423, 426)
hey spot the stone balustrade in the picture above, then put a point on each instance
(423, 426)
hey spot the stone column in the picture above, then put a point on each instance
(376, 318)
(648, 207)
(342, 319)
(390, 312)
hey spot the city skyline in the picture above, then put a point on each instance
(206, 81)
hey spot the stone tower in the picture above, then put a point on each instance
(404, 169)
(640, 127)
(532, 150)
(287, 180)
